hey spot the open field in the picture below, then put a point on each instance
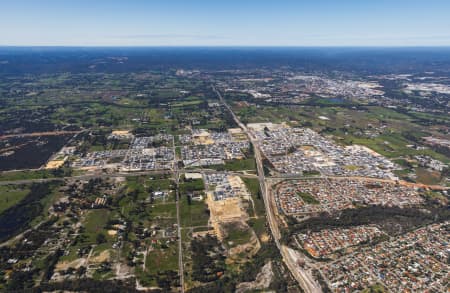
(194, 213)
(11, 195)
(162, 259)
(26, 175)
(237, 165)
(95, 224)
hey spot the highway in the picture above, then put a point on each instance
(87, 176)
(290, 258)
(91, 175)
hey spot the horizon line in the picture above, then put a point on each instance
(224, 46)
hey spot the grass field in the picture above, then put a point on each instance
(236, 165)
(25, 175)
(11, 195)
(237, 235)
(392, 145)
(142, 185)
(95, 223)
(377, 288)
(167, 210)
(191, 186)
(187, 103)
(47, 201)
(307, 198)
(159, 184)
(427, 177)
(136, 185)
(160, 260)
(194, 214)
(253, 186)
(258, 225)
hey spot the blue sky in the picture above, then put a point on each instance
(225, 23)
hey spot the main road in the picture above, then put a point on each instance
(180, 240)
(180, 243)
(290, 258)
(101, 174)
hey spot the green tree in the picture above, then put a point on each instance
(101, 238)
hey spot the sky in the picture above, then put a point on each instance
(224, 23)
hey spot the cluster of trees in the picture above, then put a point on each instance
(167, 279)
(441, 149)
(191, 185)
(19, 279)
(445, 172)
(211, 270)
(267, 165)
(393, 220)
(63, 171)
(323, 284)
(223, 285)
(90, 285)
(97, 138)
(94, 187)
(208, 259)
(251, 269)
(28, 119)
(49, 264)
(18, 217)
(31, 152)
(229, 120)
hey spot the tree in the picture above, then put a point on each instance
(81, 271)
(189, 200)
(101, 238)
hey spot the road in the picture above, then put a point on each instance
(304, 278)
(180, 243)
(117, 174)
(34, 134)
(87, 176)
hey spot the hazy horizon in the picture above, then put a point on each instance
(200, 23)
